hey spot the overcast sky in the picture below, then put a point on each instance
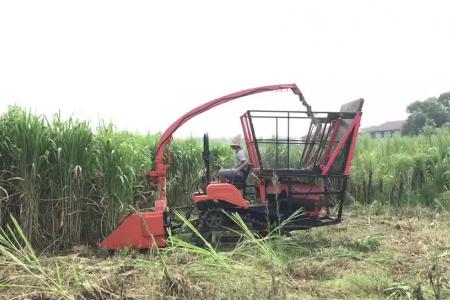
(142, 64)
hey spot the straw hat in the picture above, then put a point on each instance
(236, 142)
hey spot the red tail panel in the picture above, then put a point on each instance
(138, 231)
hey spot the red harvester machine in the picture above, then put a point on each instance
(303, 164)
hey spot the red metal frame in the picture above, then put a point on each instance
(252, 153)
(336, 127)
(351, 152)
(354, 126)
(250, 141)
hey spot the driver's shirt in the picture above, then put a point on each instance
(240, 158)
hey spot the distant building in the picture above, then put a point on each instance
(384, 130)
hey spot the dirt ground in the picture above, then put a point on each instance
(373, 254)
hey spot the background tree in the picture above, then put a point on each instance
(444, 99)
(431, 111)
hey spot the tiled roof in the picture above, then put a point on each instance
(388, 126)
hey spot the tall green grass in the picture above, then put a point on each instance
(25, 149)
(403, 171)
(69, 185)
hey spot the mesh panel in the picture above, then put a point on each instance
(295, 141)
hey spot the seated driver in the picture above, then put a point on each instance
(239, 172)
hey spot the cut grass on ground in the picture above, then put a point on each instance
(368, 256)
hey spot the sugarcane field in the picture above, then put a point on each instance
(224, 150)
